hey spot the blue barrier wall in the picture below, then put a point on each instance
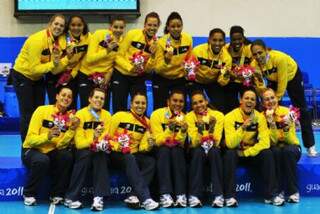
(303, 50)
(10, 48)
(13, 177)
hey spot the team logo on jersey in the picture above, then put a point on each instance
(237, 125)
(184, 49)
(50, 124)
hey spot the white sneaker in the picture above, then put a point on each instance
(231, 202)
(132, 202)
(150, 204)
(294, 198)
(56, 200)
(29, 201)
(282, 195)
(166, 200)
(132, 199)
(181, 201)
(277, 201)
(218, 201)
(72, 204)
(312, 152)
(194, 201)
(97, 204)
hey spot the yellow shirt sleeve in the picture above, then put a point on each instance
(161, 66)
(181, 137)
(95, 53)
(278, 134)
(274, 135)
(64, 142)
(263, 138)
(282, 68)
(291, 136)
(82, 139)
(114, 125)
(218, 129)
(63, 64)
(114, 145)
(193, 133)
(224, 78)
(144, 145)
(233, 136)
(151, 64)
(34, 138)
(121, 59)
(75, 69)
(157, 130)
(35, 48)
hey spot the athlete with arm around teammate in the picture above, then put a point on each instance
(248, 140)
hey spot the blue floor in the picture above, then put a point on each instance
(306, 205)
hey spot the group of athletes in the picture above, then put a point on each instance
(235, 117)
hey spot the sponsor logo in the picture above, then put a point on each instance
(9, 192)
(245, 187)
(121, 190)
(313, 188)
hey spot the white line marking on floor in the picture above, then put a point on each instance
(52, 207)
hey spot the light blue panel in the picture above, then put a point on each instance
(77, 5)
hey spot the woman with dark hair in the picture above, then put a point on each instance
(77, 39)
(239, 47)
(205, 128)
(174, 47)
(239, 43)
(50, 132)
(98, 64)
(41, 53)
(136, 59)
(169, 128)
(284, 144)
(248, 141)
(132, 134)
(283, 74)
(214, 64)
(239, 50)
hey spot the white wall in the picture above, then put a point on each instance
(278, 18)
